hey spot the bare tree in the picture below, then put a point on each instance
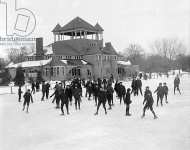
(18, 55)
(134, 53)
(169, 48)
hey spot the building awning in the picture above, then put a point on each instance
(126, 63)
(27, 64)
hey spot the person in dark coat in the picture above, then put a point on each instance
(121, 92)
(139, 86)
(101, 98)
(116, 87)
(77, 96)
(148, 102)
(128, 101)
(27, 98)
(140, 75)
(33, 87)
(160, 94)
(87, 88)
(68, 92)
(64, 101)
(43, 90)
(19, 93)
(176, 84)
(96, 91)
(109, 95)
(56, 95)
(134, 87)
(47, 90)
(165, 90)
(37, 86)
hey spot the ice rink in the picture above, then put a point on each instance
(43, 128)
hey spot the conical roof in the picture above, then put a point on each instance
(78, 23)
(57, 28)
(98, 27)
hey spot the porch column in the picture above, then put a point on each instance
(75, 34)
(80, 34)
(54, 37)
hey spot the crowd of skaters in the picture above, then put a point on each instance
(101, 91)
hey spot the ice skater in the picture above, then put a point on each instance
(176, 84)
(121, 92)
(47, 86)
(109, 94)
(77, 96)
(128, 101)
(96, 91)
(33, 87)
(160, 94)
(19, 93)
(43, 90)
(165, 90)
(27, 98)
(64, 101)
(68, 92)
(56, 95)
(101, 98)
(148, 101)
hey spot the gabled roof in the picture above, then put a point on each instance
(109, 50)
(62, 48)
(57, 28)
(98, 27)
(78, 23)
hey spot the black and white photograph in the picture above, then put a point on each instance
(94, 75)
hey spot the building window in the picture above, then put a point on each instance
(88, 72)
(57, 70)
(54, 71)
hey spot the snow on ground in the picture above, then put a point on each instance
(45, 128)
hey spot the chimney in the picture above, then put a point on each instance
(39, 48)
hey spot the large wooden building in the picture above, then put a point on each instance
(78, 50)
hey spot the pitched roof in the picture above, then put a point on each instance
(108, 49)
(78, 23)
(98, 27)
(57, 28)
(62, 48)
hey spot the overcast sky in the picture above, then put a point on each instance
(124, 21)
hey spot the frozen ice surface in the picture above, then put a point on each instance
(45, 129)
